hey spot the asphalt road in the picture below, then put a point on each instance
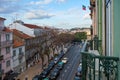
(74, 56)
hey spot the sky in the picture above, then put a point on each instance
(64, 14)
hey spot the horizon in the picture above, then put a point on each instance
(65, 14)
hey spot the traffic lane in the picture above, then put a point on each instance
(65, 55)
(72, 69)
(73, 57)
(64, 73)
(70, 56)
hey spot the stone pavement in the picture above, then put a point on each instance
(30, 72)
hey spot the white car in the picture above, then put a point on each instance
(55, 60)
(64, 60)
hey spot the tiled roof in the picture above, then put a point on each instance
(2, 18)
(6, 29)
(32, 26)
(20, 34)
(17, 44)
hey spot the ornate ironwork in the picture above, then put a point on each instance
(99, 67)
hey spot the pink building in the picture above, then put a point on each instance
(6, 43)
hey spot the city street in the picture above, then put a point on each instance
(73, 55)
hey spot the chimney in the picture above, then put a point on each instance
(2, 23)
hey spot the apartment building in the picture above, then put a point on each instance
(6, 43)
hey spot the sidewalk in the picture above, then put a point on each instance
(30, 72)
(94, 52)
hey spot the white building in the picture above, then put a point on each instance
(18, 57)
(30, 29)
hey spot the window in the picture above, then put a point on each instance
(7, 37)
(14, 53)
(0, 67)
(8, 63)
(7, 49)
(20, 61)
(0, 51)
(20, 50)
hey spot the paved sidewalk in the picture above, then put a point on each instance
(30, 72)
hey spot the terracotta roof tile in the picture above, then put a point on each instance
(17, 44)
(32, 26)
(7, 29)
(20, 34)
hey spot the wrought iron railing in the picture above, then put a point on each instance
(21, 54)
(99, 67)
(96, 45)
(1, 72)
(6, 43)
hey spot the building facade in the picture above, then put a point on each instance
(108, 27)
(18, 57)
(6, 43)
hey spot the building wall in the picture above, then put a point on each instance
(112, 29)
(109, 28)
(16, 65)
(22, 28)
(7, 56)
(116, 30)
(99, 24)
(103, 28)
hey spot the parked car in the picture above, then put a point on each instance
(51, 65)
(56, 60)
(54, 74)
(65, 60)
(45, 73)
(46, 78)
(60, 65)
(76, 78)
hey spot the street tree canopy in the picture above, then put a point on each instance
(80, 36)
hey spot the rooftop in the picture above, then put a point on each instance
(20, 34)
(32, 26)
(17, 44)
(6, 29)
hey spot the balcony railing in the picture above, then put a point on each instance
(99, 67)
(1, 72)
(6, 43)
(21, 54)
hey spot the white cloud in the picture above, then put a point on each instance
(38, 15)
(40, 2)
(9, 6)
(61, 1)
(86, 16)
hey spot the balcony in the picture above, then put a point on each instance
(1, 72)
(6, 43)
(99, 67)
(21, 54)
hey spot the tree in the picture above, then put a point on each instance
(80, 36)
